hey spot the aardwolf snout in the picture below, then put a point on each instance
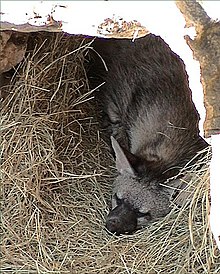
(121, 220)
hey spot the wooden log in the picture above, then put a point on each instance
(206, 49)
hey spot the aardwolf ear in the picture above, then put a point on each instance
(124, 159)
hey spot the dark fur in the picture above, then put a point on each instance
(148, 102)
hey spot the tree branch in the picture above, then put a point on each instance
(193, 13)
(206, 49)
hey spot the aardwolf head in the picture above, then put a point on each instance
(135, 200)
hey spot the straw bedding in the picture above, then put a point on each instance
(56, 173)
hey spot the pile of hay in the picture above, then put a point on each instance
(57, 172)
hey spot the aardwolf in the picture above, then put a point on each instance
(153, 125)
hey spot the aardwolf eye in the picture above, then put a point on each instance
(118, 201)
(147, 215)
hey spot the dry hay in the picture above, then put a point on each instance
(56, 178)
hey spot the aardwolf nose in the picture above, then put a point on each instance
(121, 220)
(114, 225)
